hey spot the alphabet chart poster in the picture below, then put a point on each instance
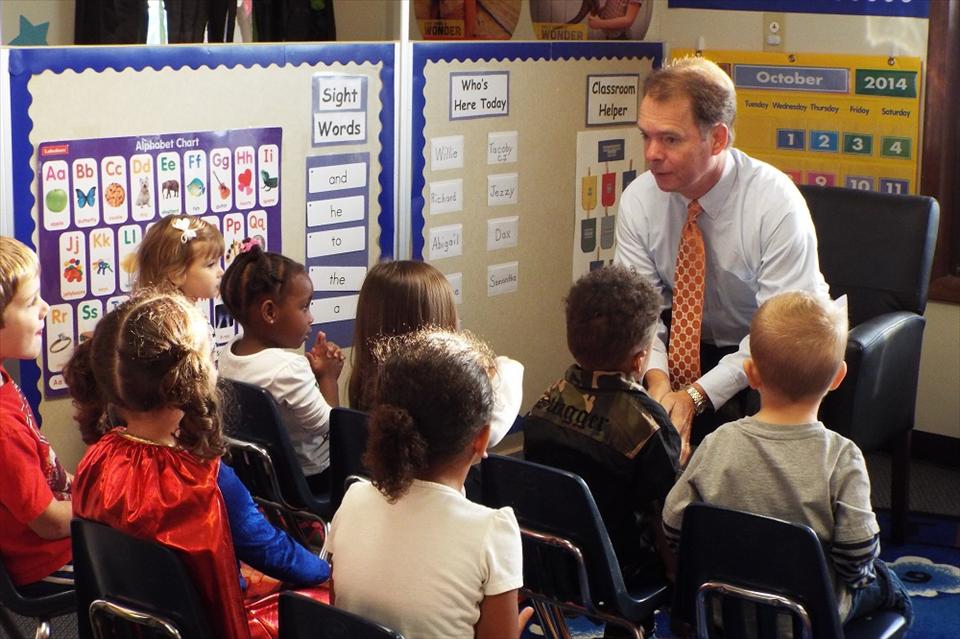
(99, 197)
(832, 120)
(496, 168)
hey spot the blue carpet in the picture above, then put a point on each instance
(928, 565)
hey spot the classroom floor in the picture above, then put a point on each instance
(933, 489)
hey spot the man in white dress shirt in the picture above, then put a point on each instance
(757, 233)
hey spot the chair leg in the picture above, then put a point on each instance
(8, 625)
(900, 487)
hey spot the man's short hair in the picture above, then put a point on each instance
(711, 91)
(797, 342)
(610, 313)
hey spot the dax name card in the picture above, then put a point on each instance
(502, 232)
(612, 99)
(502, 278)
(482, 94)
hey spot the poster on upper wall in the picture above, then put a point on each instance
(830, 120)
(897, 8)
(98, 197)
(467, 19)
(591, 19)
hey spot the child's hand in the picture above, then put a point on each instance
(326, 358)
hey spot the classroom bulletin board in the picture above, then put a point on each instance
(504, 136)
(832, 120)
(290, 145)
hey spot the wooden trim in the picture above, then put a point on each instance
(941, 144)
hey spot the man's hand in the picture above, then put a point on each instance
(679, 406)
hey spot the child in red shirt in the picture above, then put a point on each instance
(35, 508)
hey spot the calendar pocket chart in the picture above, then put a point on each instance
(832, 120)
(98, 197)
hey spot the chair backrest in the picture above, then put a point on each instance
(555, 502)
(305, 618)
(757, 553)
(136, 575)
(348, 441)
(876, 248)
(251, 415)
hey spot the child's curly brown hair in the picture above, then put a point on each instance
(151, 352)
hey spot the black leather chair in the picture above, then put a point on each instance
(568, 561)
(733, 556)
(348, 441)
(877, 249)
(131, 588)
(42, 609)
(305, 618)
(263, 457)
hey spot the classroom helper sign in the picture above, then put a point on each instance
(831, 120)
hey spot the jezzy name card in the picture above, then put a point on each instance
(484, 94)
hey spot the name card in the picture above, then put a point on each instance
(339, 176)
(446, 153)
(334, 309)
(502, 278)
(502, 147)
(446, 196)
(456, 281)
(337, 278)
(501, 189)
(335, 211)
(612, 99)
(502, 232)
(348, 240)
(479, 95)
(446, 241)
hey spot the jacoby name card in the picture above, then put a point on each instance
(612, 99)
(502, 189)
(446, 153)
(446, 241)
(502, 232)
(446, 196)
(483, 94)
(502, 278)
(502, 147)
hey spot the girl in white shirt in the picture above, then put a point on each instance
(269, 294)
(409, 550)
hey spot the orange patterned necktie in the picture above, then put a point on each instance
(683, 355)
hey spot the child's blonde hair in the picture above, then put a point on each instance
(797, 342)
(17, 263)
(151, 352)
(171, 246)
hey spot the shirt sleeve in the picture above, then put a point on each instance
(258, 543)
(856, 539)
(24, 490)
(504, 555)
(633, 252)
(787, 261)
(297, 389)
(508, 395)
(683, 493)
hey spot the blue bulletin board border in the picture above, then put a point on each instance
(25, 63)
(895, 8)
(426, 52)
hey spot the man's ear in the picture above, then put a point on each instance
(838, 377)
(753, 375)
(719, 137)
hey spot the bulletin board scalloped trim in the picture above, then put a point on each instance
(425, 52)
(25, 63)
